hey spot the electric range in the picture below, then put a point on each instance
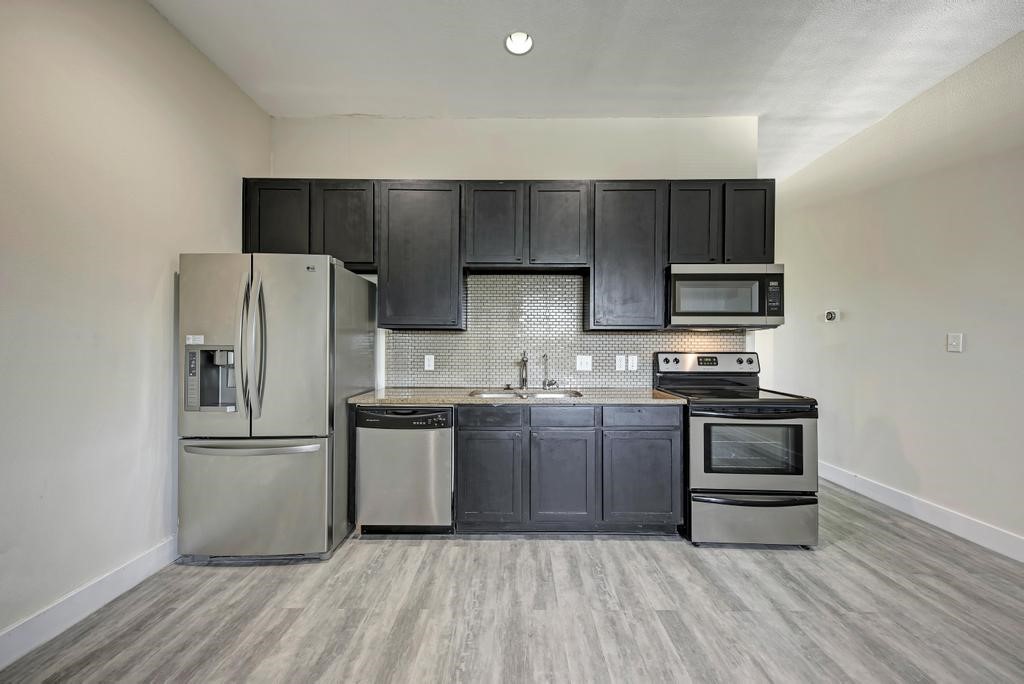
(751, 453)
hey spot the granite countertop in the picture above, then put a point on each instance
(447, 396)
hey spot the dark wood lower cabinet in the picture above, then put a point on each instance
(568, 479)
(563, 465)
(489, 476)
(642, 476)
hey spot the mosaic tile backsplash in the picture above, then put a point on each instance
(541, 314)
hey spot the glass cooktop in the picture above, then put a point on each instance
(725, 391)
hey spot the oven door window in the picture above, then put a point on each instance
(713, 296)
(753, 449)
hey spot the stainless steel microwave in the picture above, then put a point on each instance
(709, 296)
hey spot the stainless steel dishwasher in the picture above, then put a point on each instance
(404, 469)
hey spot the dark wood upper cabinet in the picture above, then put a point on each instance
(750, 221)
(494, 222)
(419, 283)
(695, 222)
(627, 281)
(276, 216)
(560, 223)
(342, 222)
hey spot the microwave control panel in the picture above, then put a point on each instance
(773, 295)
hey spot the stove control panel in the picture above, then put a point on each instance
(708, 362)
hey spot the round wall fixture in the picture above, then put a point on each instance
(519, 43)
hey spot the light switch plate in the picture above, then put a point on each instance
(620, 362)
(428, 362)
(955, 342)
(584, 362)
(633, 362)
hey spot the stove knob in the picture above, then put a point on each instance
(739, 360)
(750, 361)
(664, 359)
(675, 360)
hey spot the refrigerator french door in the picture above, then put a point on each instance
(272, 346)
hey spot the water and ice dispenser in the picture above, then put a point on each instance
(210, 379)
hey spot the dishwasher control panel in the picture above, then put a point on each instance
(404, 418)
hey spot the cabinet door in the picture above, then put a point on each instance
(494, 219)
(695, 222)
(627, 281)
(642, 476)
(562, 476)
(560, 223)
(342, 222)
(420, 275)
(750, 222)
(276, 216)
(489, 476)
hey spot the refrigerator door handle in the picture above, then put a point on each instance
(250, 451)
(261, 377)
(240, 356)
(252, 371)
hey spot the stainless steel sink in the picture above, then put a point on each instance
(496, 394)
(525, 394)
(552, 394)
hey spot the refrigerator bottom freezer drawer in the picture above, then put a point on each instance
(753, 519)
(253, 497)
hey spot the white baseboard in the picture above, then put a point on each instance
(981, 533)
(36, 630)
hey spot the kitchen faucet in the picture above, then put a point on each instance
(548, 383)
(522, 371)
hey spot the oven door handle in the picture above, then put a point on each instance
(775, 502)
(755, 415)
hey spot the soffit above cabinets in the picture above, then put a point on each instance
(815, 72)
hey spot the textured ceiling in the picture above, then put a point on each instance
(815, 73)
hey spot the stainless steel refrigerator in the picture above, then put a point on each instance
(271, 348)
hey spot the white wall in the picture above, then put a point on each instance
(913, 229)
(121, 147)
(367, 147)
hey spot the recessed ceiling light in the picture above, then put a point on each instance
(518, 43)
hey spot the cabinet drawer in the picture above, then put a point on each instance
(491, 416)
(645, 416)
(562, 416)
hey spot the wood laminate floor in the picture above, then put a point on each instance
(885, 598)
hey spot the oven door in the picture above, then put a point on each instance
(770, 452)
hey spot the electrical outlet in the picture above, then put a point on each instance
(955, 342)
(584, 362)
(633, 361)
(620, 362)
(428, 362)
